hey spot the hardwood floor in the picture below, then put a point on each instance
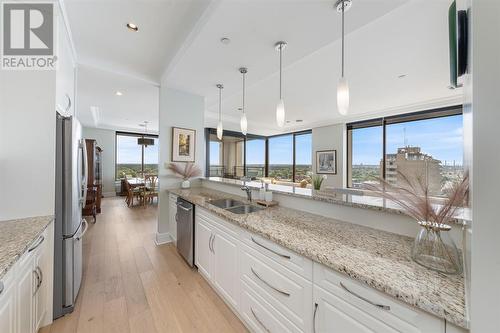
(132, 285)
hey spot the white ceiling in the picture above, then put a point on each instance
(138, 103)
(385, 38)
(178, 44)
(102, 40)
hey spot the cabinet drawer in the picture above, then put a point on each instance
(286, 291)
(225, 226)
(260, 315)
(285, 257)
(369, 302)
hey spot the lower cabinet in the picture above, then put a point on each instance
(172, 214)
(274, 290)
(216, 252)
(25, 289)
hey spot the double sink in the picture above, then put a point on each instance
(235, 206)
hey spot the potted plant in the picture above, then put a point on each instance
(433, 247)
(317, 180)
(190, 170)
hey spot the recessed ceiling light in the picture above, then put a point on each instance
(298, 120)
(225, 40)
(132, 27)
(402, 76)
(118, 93)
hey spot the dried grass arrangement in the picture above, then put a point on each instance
(188, 171)
(433, 246)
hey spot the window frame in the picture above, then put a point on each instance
(209, 131)
(132, 134)
(390, 120)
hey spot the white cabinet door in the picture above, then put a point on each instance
(334, 315)
(225, 266)
(40, 297)
(203, 246)
(65, 74)
(25, 290)
(8, 304)
(172, 213)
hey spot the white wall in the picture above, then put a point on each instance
(106, 140)
(27, 143)
(328, 138)
(177, 109)
(485, 117)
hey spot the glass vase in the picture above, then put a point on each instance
(435, 249)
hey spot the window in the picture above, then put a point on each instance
(303, 156)
(132, 159)
(425, 145)
(281, 157)
(256, 157)
(286, 157)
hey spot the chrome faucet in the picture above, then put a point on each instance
(249, 192)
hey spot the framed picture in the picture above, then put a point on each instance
(326, 162)
(183, 144)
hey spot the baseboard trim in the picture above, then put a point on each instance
(163, 238)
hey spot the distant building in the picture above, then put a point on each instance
(412, 163)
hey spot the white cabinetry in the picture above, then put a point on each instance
(172, 213)
(25, 304)
(8, 303)
(274, 289)
(216, 254)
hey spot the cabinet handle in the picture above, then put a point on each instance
(37, 281)
(314, 316)
(41, 275)
(1, 287)
(213, 244)
(183, 208)
(259, 321)
(270, 250)
(210, 243)
(268, 284)
(40, 241)
(380, 306)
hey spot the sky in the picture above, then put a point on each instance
(129, 152)
(441, 138)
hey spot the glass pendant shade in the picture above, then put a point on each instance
(343, 96)
(243, 124)
(280, 113)
(219, 130)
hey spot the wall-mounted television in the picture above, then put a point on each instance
(458, 40)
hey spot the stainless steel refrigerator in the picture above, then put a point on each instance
(70, 226)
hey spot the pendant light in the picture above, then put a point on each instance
(144, 141)
(243, 120)
(343, 86)
(280, 109)
(219, 125)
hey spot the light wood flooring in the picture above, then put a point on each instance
(132, 285)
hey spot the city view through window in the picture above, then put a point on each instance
(129, 157)
(429, 149)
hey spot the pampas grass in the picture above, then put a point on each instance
(189, 170)
(415, 200)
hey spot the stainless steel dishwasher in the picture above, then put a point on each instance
(185, 230)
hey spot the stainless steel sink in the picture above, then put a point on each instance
(244, 209)
(226, 203)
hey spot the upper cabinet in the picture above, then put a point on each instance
(65, 75)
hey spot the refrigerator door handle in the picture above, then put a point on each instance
(84, 174)
(84, 222)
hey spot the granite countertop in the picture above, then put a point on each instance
(346, 197)
(377, 258)
(16, 236)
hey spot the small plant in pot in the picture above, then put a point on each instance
(317, 181)
(186, 172)
(433, 247)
